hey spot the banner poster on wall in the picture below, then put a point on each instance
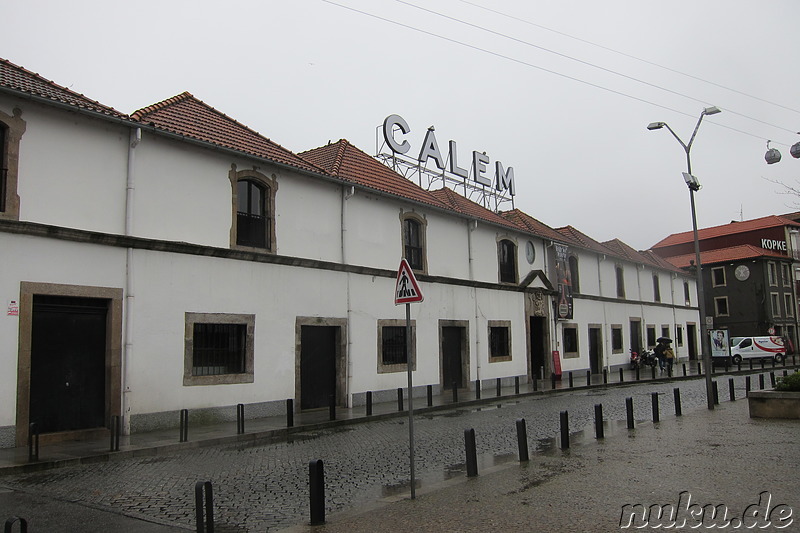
(564, 280)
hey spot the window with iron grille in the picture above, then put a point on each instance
(392, 346)
(412, 241)
(620, 282)
(508, 261)
(499, 340)
(616, 338)
(252, 217)
(219, 348)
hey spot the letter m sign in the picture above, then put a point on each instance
(406, 290)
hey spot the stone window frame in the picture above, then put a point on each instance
(720, 301)
(402, 367)
(656, 288)
(650, 335)
(772, 274)
(570, 355)
(270, 184)
(788, 304)
(621, 348)
(491, 324)
(192, 318)
(14, 129)
(679, 335)
(786, 274)
(775, 304)
(715, 271)
(514, 261)
(423, 239)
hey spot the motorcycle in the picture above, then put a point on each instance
(648, 358)
(635, 360)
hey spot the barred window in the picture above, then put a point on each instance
(394, 345)
(252, 218)
(413, 243)
(219, 349)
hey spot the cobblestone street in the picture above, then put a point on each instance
(265, 487)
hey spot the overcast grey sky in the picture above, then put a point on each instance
(562, 91)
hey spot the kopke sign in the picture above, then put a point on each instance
(772, 244)
(503, 178)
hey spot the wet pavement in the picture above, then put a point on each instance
(263, 485)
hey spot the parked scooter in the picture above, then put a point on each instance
(635, 360)
(648, 358)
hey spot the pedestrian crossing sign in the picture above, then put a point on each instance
(406, 290)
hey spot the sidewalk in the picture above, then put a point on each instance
(16, 460)
(719, 457)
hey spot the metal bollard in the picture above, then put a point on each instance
(564, 430)
(553, 379)
(289, 413)
(522, 440)
(33, 442)
(115, 433)
(605, 376)
(654, 401)
(772, 379)
(652, 372)
(629, 412)
(785, 373)
(684, 369)
(332, 407)
(570, 380)
(588, 378)
(715, 392)
(731, 390)
(23, 524)
(772, 360)
(763, 365)
(455, 392)
(471, 451)
(747, 386)
(399, 399)
(761, 381)
(535, 384)
(751, 363)
(621, 375)
(430, 395)
(516, 384)
(316, 491)
(369, 402)
(676, 393)
(699, 369)
(499, 385)
(184, 429)
(598, 421)
(202, 490)
(240, 419)
(638, 376)
(477, 389)
(739, 366)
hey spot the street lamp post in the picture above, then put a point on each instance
(694, 185)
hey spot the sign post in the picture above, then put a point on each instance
(407, 291)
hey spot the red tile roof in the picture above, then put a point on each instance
(724, 255)
(19, 79)
(187, 116)
(343, 160)
(726, 229)
(581, 239)
(467, 207)
(531, 225)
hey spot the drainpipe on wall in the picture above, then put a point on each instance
(472, 225)
(347, 193)
(608, 349)
(130, 186)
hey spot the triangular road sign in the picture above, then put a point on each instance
(406, 290)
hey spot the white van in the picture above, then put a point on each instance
(758, 348)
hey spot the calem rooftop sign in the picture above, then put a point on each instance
(478, 176)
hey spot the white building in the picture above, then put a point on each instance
(174, 258)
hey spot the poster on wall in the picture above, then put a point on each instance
(719, 343)
(564, 280)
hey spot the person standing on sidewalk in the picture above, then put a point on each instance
(659, 351)
(669, 357)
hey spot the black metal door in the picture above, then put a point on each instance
(317, 366)
(594, 350)
(68, 347)
(537, 347)
(451, 357)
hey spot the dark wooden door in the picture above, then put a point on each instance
(68, 347)
(317, 366)
(595, 351)
(451, 357)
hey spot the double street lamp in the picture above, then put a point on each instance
(694, 185)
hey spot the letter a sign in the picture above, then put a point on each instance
(407, 289)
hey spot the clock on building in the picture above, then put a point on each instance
(742, 272)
